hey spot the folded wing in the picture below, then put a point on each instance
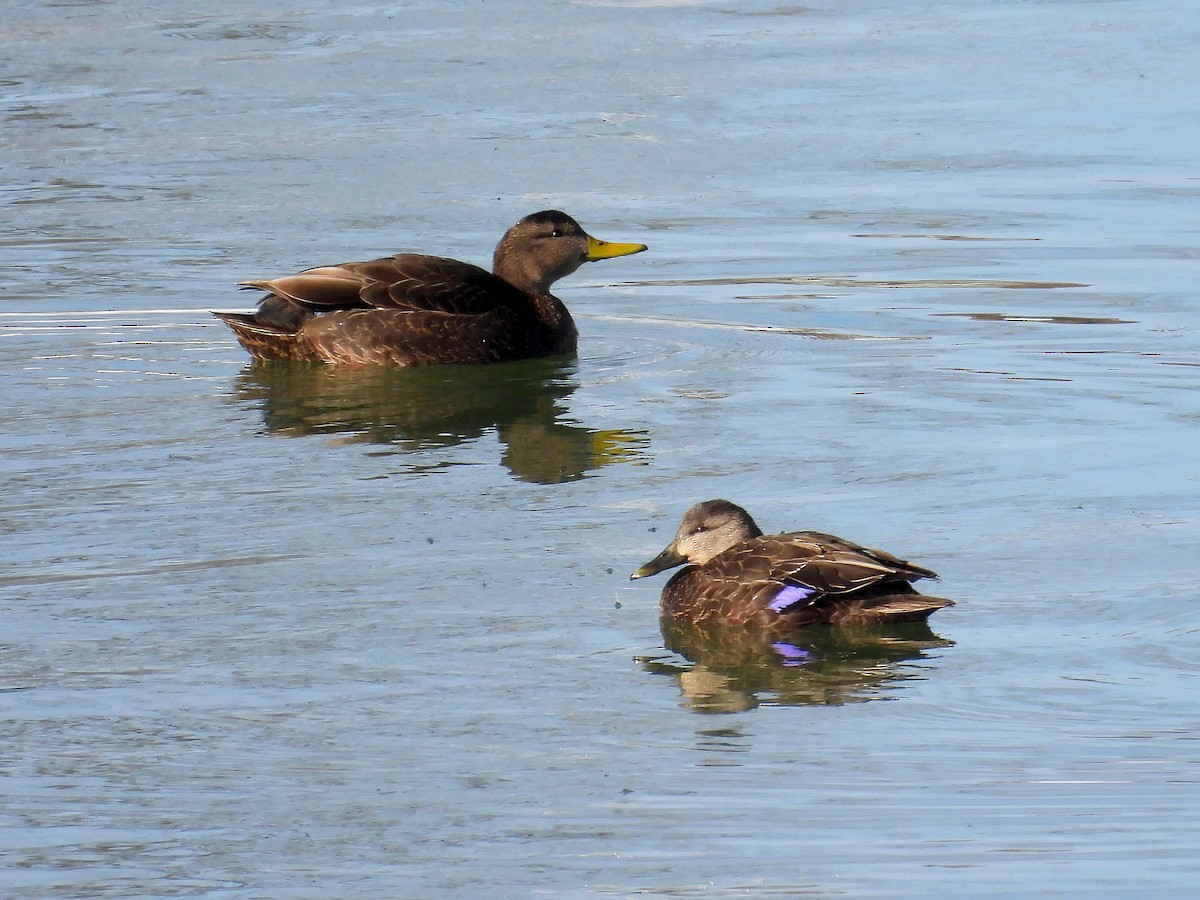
(406, 281)
(807, 568)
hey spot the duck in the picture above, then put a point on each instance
(737, 576)
(414, 310)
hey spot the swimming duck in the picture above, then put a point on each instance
(415, 310)
(780, 582)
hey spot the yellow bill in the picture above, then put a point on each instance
(598, 249)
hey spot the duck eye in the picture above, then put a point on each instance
(700, 529)
(557, 232)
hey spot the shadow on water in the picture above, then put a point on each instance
(732, 670)
(414, 409)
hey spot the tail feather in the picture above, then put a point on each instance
(266, 339)
(901, 607)
(913, 607)
(247, 323)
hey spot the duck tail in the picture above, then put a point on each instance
(896, 603)
(912, 607)
(273, 332)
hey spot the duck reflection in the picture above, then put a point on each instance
(732, 669)
(443, 406)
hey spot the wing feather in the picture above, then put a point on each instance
(433, 283)
(819, 568)
(411, 281)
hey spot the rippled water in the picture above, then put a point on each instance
(920, 273)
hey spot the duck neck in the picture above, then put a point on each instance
(520, 274)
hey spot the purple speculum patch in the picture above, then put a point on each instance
(790, 596)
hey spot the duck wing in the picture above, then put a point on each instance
(806, 567)
(435, 284)
(406, 281)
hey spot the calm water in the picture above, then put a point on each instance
(920, 273)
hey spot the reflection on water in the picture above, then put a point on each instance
(932, 236)
(816, 333)
(731, 670)
(854, 281)
(443, 406)
(1039, 320)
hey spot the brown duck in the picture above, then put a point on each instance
(415, 310)
(780, 582)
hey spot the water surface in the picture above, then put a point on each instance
(920, 273)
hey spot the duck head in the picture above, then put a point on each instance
(549, 245)
(707, 529)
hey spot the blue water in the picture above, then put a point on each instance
(922, 274)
